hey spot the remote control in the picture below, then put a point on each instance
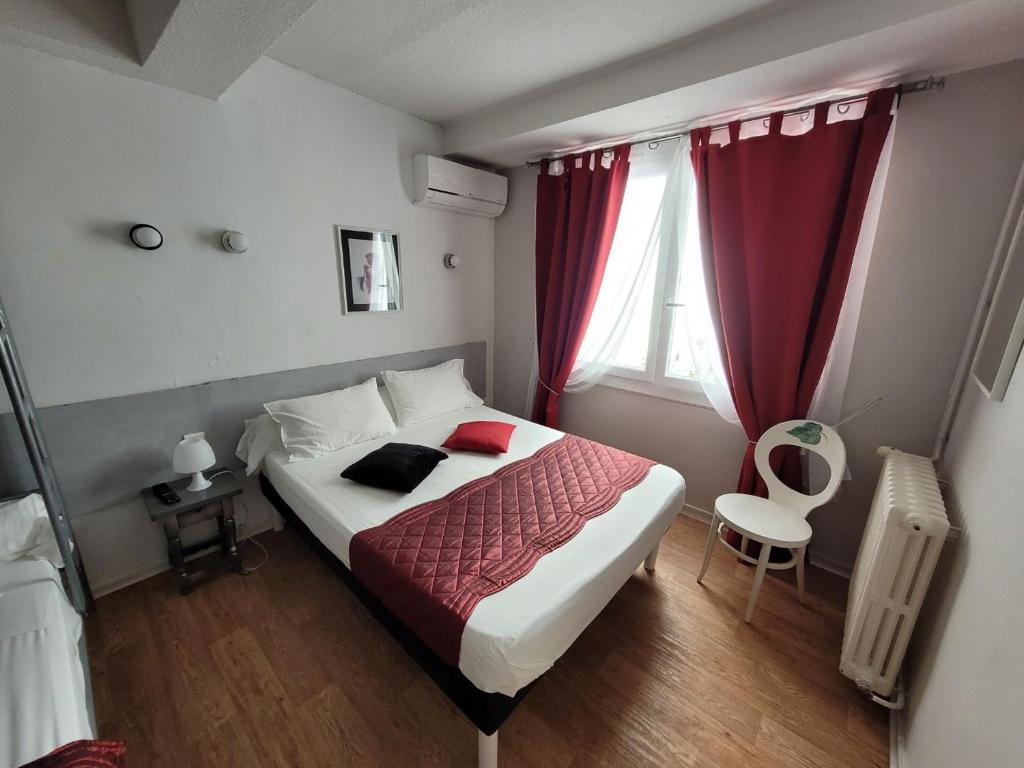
(166, 494)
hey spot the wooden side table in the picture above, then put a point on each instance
(195, 507)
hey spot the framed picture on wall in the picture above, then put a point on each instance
(369, 268)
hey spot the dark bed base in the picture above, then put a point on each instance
(487, 711)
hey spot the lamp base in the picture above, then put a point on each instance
(199, 483)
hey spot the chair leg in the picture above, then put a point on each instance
(712, 536)
(801, 556)
(762, 566)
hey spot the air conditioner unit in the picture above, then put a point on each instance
(450, 186)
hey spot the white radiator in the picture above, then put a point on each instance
(902, 540)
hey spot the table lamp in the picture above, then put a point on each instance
(191, 456)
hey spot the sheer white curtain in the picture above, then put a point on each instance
(654, 176)
(827, 405)
(704, 347)
(671, 228)
(828, 398)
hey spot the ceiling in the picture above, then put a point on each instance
(443, 59)
(512, 80)
(197, 46)
(811, 50)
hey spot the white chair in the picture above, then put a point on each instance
(779, 520)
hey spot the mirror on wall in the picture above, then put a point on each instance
(1003, 333)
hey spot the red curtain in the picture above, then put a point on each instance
(779, 220)
(577, 211)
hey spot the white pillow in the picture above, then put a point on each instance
(262, 435)
(318, 424)
(429, 392)
(25, 531)
(386, 397)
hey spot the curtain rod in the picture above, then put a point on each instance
(929, 83)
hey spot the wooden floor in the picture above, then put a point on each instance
(285, 667)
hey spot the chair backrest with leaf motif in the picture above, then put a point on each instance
(812, 436)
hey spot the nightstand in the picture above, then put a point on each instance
(195, 507)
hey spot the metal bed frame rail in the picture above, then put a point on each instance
(35, 445)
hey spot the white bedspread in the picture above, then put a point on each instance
(515, 635)
(42, 683)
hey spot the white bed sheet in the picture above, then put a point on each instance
(515, 635)
(43, 700)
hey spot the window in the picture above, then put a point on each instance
(651, 313)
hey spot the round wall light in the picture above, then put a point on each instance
(234, 242)
(146, 237)
(451, 261)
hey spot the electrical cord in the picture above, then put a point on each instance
(246, 570)
(863, 409)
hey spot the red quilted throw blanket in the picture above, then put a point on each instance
(432, 564)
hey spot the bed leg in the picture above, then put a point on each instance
(487, 750)
(652, 558)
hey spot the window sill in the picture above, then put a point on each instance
(688, 392)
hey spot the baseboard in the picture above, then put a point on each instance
(99, 590)
(696, 513)
(838, 567)
(826, 563)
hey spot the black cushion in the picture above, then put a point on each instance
(395, 466)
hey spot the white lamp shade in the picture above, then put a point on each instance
(193, 454)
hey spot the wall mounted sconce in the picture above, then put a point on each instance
(451, 261)
(234, 242)
(146, 237)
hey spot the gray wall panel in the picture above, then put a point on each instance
(106, 451)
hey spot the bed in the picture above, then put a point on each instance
(515, 635)
(43, 684)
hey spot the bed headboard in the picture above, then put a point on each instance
(106, 451)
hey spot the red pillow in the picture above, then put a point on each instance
(82, 754)
(482, 436)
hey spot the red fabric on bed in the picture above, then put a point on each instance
(432, 564)
(85, 753)
(480, 436)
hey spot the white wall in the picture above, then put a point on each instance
(515, 317)
(965, 696)
(954, 160)
(283, 157)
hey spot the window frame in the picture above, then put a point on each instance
(654, 380)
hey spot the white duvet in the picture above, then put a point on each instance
(42, 682)
(515, 635)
